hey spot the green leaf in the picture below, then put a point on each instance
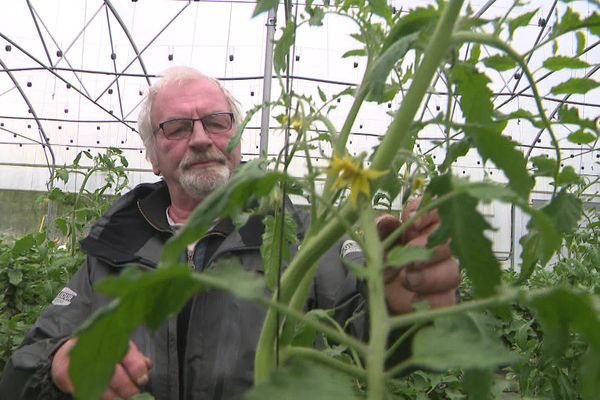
(274, 241)
(230, 276)
(560, 62)
(485, 191)
(418, 20)
(15, 276)
(465, 227)
(402, 256)
(455, 150)
(544, 166)
(24, 244)
(580, 43)
(478, 383)
(303, 380)
(575, 86)
(477, 107)
(499, 62)
(264, 5)
(282, 47)
(581, 137)
(322, 95)
(565, 210)
(467, 343)
(385, 63)
(355, 53)
(539, 244)
(563, 310)
(521, 20)
(570, 115)
(567, 176)
(381, 8)
(103, 340)
(588, 373)
(250, 181)
(316, 16)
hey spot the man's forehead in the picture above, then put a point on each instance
(190, 91)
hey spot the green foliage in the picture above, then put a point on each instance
(548, 322)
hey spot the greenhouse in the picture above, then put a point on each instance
(481, 116)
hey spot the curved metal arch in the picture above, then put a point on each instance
(44, 137)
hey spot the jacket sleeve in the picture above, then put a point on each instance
(27, 372)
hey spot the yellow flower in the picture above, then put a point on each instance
(297, 124)
(349, 172)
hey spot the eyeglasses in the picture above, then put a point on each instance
(182, 128)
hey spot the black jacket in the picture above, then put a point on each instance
(220, 331)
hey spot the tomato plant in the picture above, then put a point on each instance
(407, 55)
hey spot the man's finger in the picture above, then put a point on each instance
(437, 277)
(122, 384)
(136, 365)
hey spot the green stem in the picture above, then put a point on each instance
(76, 204)
(474, 305)
(499, 44)
(320, 357)
(378, 316)
(397, 137)
(398, 133)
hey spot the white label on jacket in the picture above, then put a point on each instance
(349, 246)
(64, 297)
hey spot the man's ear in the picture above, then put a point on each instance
(155, 169)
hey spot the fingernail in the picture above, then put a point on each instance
(414, 279)
(142, 380)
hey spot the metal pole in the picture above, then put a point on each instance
(266, 111)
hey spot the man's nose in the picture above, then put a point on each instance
(199, 136)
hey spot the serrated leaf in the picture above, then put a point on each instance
(316, 16)
(557, 63)
(276, 244)
(465, 227)
(467, 344)
(570, 115)
(15, 276)
(521, 20)
(565, 211)
(563, 310)
(402, 256)
(539, 244)
(499, 62)
(575, 86)
(385, 63)
(263, 6)
(544, 166)
(589, 371)
(230, 276)
(249, 181)
(567, 176)
(485, 191)
(303, 380)
(103, 340)
(282, 47)
(477, 107)
(581, 137)
(455, 150)
(355, 53)
(381, 8)
(418, 20)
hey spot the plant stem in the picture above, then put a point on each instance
(322, 358)
(397, 137)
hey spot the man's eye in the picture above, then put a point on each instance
(177, 128)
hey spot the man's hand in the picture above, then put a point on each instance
(434, 281)
(131, 374)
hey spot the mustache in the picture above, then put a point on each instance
(192, 158)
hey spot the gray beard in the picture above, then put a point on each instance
(200, 184)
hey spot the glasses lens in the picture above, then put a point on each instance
(217, 123)
(177, 128)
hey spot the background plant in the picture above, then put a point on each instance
(35, 267)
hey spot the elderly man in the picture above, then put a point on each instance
(206, 352)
